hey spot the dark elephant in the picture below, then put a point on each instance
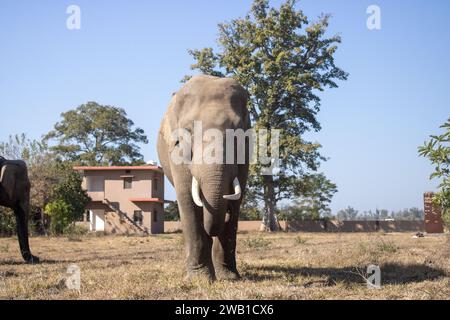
(15, 194)
(209, 195)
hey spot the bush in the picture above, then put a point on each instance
(59, 212)
(75, 232)
(7, 222)
(250, 214)
(257, 242)
(300, 240)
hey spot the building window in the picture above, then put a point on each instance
(95, 184)
(138, 217)
(155, 216)
(127, 171)
(155, 184)
(128, 183)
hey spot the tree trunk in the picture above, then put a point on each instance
(269, 222)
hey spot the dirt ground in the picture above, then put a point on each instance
(273, 266)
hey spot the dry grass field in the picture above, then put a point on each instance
(273, 266)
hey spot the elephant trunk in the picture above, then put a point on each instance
(215, 187)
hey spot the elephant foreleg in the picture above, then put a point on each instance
(224, 249)
(198, 243)
(22, 232)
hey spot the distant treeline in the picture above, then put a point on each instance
(299, 213)
(351, 214)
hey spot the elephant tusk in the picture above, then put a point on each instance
(196, 192)
(237, 191)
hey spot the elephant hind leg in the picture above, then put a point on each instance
(22, 232)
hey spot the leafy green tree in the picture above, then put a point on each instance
(250, 212)
(68, 201)
(348, 214)
(313, 200)
(283, 60)
(59, 212)
(71, 192)
(437, 150)
(7, 222)
(94, 134)
(171, 212)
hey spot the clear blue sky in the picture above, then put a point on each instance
(132, 54)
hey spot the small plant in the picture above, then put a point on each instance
(75, 233)
(387, 246)
(300, 240)
(362, 246)
(4, 248)
(257, 242)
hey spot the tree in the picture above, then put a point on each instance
(282, 60)
(437, 150)
(408, 214)
(94, 134)
(68, 201)
(59, 211)
(7, 222)
(313, 199)
(348, 214)
(171, 212)
(71, 192)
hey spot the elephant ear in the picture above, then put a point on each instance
(8, 180)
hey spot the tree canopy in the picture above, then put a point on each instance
(94, 134)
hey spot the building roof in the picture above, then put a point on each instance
(118, 168)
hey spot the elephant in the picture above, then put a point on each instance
(209, 195)
(15, 194)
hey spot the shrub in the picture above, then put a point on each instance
(388, 247)
(300, 240)
(59, 212)
(75, 232)
(7, 222)
(257, 242)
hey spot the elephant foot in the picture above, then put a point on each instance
(30, 259)
(230, 274)
(201, 273)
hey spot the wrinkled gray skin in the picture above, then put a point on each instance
(15, 194)
(209, 231)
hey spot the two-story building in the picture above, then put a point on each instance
(125, 200)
